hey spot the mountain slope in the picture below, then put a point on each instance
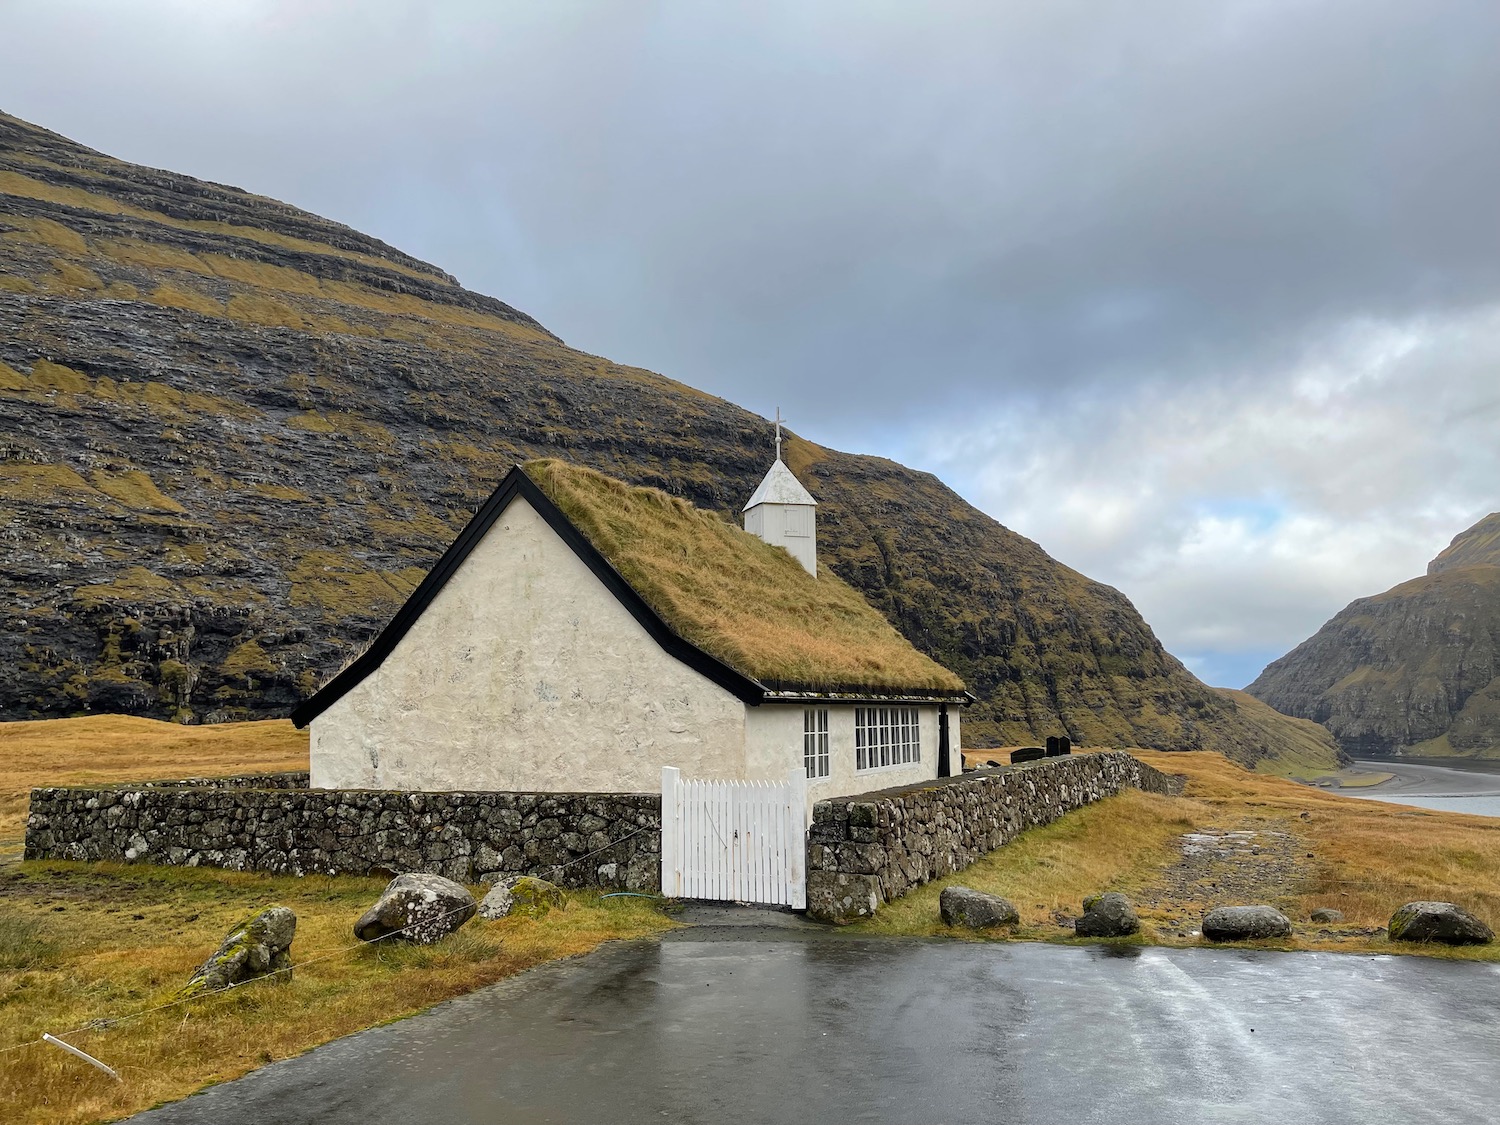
(236, 434)
(1412, 670)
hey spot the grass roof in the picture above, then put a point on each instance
(734, 596)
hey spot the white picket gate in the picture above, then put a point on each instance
(738, 841)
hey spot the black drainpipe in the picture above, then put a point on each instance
(945, 764)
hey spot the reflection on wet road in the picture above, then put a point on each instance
(756, 1026)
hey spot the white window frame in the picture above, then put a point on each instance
(815, 757)
(885, 737)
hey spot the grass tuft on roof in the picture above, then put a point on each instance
(734, 596)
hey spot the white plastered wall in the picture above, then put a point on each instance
(773, 745)
(525, 673)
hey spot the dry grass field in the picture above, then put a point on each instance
(1310, 849)
(90, 952)
(110, 748)
(81, 943)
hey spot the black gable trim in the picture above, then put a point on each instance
(517, 483)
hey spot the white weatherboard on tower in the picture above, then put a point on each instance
(783, 513)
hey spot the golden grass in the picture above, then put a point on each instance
(14, 183)
(135, 489)
(1367, 859)
(176, 297)
(42, 483)
(81, 942)
(114, 748)
(734, 596)
(1118, 844)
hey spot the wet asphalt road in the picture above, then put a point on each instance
(748, 1025)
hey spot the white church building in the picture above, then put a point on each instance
(580, 634)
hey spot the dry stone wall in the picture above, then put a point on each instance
(574, 839)
(866, 850)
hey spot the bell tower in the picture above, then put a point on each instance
(783, 513)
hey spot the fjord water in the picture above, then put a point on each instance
(1446, 784)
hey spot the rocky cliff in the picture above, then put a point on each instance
(236, 434)
(1409, 671)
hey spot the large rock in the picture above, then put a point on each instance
(975, 910)
(255, 948)
(1107, 915)
(1326, 914)
(840, 898)
(419, 908)
(1245, 923)
(521, 894)
(1446, 922)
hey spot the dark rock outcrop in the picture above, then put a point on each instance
(1107, 915)
(1410, 671)
(418, 908)
(1444, 922)
(258, 947)
(1245, 923)
(975, 910)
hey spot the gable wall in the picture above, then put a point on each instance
(526, 674)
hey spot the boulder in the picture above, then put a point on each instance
(841, 898)
(1445, 922)
(1245, 923)
(521, 894)
(258, 947)
(419, 908)
(1326, 914)
(975, 910)
(1107, 915)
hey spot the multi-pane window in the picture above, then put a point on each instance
(886, 736)
(815, 741)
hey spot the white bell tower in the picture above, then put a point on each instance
(783, 513)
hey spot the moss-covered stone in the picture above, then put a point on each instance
(258, 947)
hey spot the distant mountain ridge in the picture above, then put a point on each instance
(235, 435)
(1410, 671)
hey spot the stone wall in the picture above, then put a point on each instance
(291, 779)
(575, 839)
(866, 850)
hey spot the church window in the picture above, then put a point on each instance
(815, 741)
(886, 736)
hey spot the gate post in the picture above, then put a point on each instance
(796, 820)
(671, 832)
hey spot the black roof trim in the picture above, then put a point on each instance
(517, 483)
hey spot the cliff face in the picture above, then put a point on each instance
(235, 435)
(1412, 670)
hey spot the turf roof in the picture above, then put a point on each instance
(734, 596)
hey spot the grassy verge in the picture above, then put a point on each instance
(111, 748)
(1364, 858)
(81, 942)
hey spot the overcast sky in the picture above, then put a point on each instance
(1204, 297)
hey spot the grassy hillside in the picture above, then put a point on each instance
(1410, 671)
(235, 435)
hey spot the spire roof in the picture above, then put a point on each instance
(780, 487)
